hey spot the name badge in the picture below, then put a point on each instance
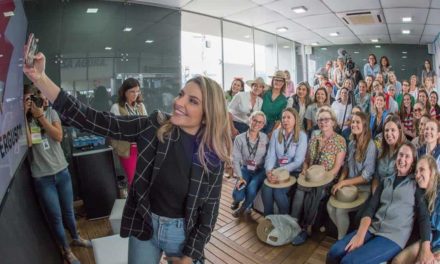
(283, 161)
(46, 145)
(250, 165)
(36, 135)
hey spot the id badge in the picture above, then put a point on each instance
(283, 161)
(46, 145)
(36, 135)
(250, 165)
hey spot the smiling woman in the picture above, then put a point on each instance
(178, 179)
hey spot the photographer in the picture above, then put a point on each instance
(49, 169)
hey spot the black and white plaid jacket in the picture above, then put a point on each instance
(202, 203)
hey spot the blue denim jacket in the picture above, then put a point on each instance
(435, 226)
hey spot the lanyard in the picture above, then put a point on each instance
(287, 143)
(252, 150)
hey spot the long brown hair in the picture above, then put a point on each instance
(362, 140)
(215, 133)
(403, 109)
(386, 148)
(431, 191)
(296, 129)
(127, 85)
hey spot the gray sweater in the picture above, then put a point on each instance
(393, 207)
(241, 152)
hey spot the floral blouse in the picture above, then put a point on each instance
(326, 155)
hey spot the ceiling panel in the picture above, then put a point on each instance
(402, 39)
(394, 15)
(320, 21)
(427, 39)
(405, 3)
(431, 30)
(366, 39)
(256, 16)
(397, 28)
(219, 8)
(302, 35)
(435, 4)
(380, 29)
(344, 32)
(434, 17)
(284, 7)
(172, 3)
(272, 27)
(261, 2)
(344, 5)
(338, 41)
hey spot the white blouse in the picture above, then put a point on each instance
(240, 107)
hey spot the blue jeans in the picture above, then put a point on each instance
(241, 127)
(56, 198)
(254, 180)
(168, 236)
(279, 195)
(376, 249)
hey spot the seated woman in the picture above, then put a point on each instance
(431, 135)
(420, 139)
(320, 100)
(300, 101)
(427, 177)
(342, 108)
(287, 149)
(237, 86)
(407, 116)
(248, 160)
(327, 148)
(378, 116)
(387, 223)
(358, 171)
(244, 103)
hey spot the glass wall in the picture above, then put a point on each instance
(86, 50)
(286, 56)
(265, 54)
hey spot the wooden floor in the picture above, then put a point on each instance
(234, 240)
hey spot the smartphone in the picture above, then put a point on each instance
(31, 50)
(241, 187)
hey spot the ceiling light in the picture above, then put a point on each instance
(92, 10)
(377, 46)
(108, 48)
(402, 69)
(404, 57)
(334, 34)
(404, 52)
(356, 52)
(1, 55)
(149, 41)
(8, 13)
(406, 19)
(315, 43)
(286, 47)
(374, 40)
(127, 29)
(282, 29)
(246, 36)
(299, 10)
(323, 48)
(406, 31)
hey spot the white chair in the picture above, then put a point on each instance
(116, 215)
(110, 250)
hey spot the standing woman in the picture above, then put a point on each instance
(392, 80)
(378, 116)
(385, 67)
(369, 80)
(244, 104)
(290, 88)
(339, 73)
(342, 109)
(274, 101)
(177, 185)
(428, 72)
(359, 169)
(387, 223)
(433, 99)
(129, 104)
(237, 86)
(427, 177)
(424, 100)
(300, 101)
(371, 68)
(287, 149)
(406, 116)
(392, 138)
(362, 99)
(312, 110)
(413, 88)
(248, 160)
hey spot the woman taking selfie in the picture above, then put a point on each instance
(178, 178)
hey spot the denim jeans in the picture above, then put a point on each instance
(168, 237)
(56, 198)
(241, 127)
(254, 180)
(279, 195)
(376, 249)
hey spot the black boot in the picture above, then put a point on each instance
(235, 205)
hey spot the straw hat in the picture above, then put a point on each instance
(259, 80)
(348, 197)
(315, 176)
(279, 75)
(278, 230)
(284, 179)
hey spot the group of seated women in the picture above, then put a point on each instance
(363, 162)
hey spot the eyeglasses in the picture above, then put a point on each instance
(257, 122)
(417, 109)
(324, 120)
(279, 80)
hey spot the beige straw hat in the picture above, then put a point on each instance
(284, 179)
(348, 197)
(315, 176)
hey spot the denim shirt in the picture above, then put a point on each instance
(296, 153)
(364, 168)
(385, 167)
(371, 71)
(435, 225)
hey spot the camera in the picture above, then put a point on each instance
(349, 63)
(38, 101)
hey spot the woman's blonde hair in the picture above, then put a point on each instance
(329, 110)
(296, 129)
(431, 191)
(255, 113)
(214, 133)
